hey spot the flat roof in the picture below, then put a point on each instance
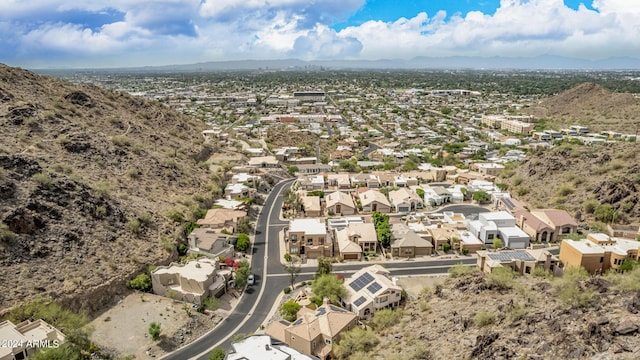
(585, 246)
(308, 226)
(199, 269)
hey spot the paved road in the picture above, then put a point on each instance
(253, 308)
(255, 304)
(371, 148)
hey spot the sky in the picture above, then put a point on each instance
(122, 33)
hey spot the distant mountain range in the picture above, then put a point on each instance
(546, 62)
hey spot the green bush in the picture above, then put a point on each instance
(217, 354)
(354, 341)
(134, 226)
(289, 310)
(141, 282)
(287, 290)
(570, 291)
(243, 242)
(385, 318)
(501, 278)
(154, 331)
(460, 269)
(484, 318)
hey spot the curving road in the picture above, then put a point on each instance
(255, 304)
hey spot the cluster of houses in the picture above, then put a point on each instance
(315, 330)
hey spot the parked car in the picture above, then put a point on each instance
(251, 280)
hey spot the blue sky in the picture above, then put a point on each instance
(115, 33)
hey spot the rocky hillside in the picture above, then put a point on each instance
(479, 316)
(87, 181)
(573, 176)
(592, 105)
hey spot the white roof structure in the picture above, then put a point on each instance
(312, 226)
(584, 246)
(198, 269)
(259, 347)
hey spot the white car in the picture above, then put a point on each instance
(251, 280)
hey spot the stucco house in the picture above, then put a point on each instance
(522, 261)
(373, 200)
(407, 243)
(598, 252)
(499, 225)
(308, 238)
(340, 203)
(311, 206)
(371, 289)
(361, 234)
(23, 340)
(211, 243)
(314, 331)
(192, 282)
(405, 200)
(221, 219)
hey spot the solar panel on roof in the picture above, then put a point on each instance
(508, 203)
(335, 308)
(359, 301)
(298, 322)
(508, 256)
(374, 287)
(361, 281)
(284, 322)
(321, 311)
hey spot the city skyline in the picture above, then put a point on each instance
(127, 33)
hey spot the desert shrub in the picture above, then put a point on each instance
(217, 354)
(175, 215)
(522, 191)
(516, 311)
(133, 173)
(628, 281)
(42, 178)
(121, 140)
(154, 331)
(385, 318)
(541, 272)
(590, 206)
(243, 242)
(287, 290)
(354, 341)
(141, 282)
(6, 235)
(570, 291)
(517, 180)
(502, 278)
(565, 190)
(134, 226)
(460, 269)
(289, 310)
(484, 318)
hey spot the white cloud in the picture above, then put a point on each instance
(183, 31)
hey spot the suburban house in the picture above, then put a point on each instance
(311, 182)
(262, 347)
(241, 178)
(340, 181)
(194, 281)
(238, 190)
(210, 243)
(311, 206)
(315, 331)
(442, 193)
(546, 225)
(222, 219)
(361, 234)
(522, 261)
(624, 231)
(308, 238)
(24, 339)
(407, 243)
(441, 234)
(369, 180)
(262, 162)
(374, 200)
(339, 203)
(370, 289)
(499, 225)
(312, 168)
(469, 241)
(405, 200)
(598, 252)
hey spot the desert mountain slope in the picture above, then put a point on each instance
(570, 175)
(87, 177)
(592, 105)
(481, 316)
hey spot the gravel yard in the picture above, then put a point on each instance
(124, 329)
